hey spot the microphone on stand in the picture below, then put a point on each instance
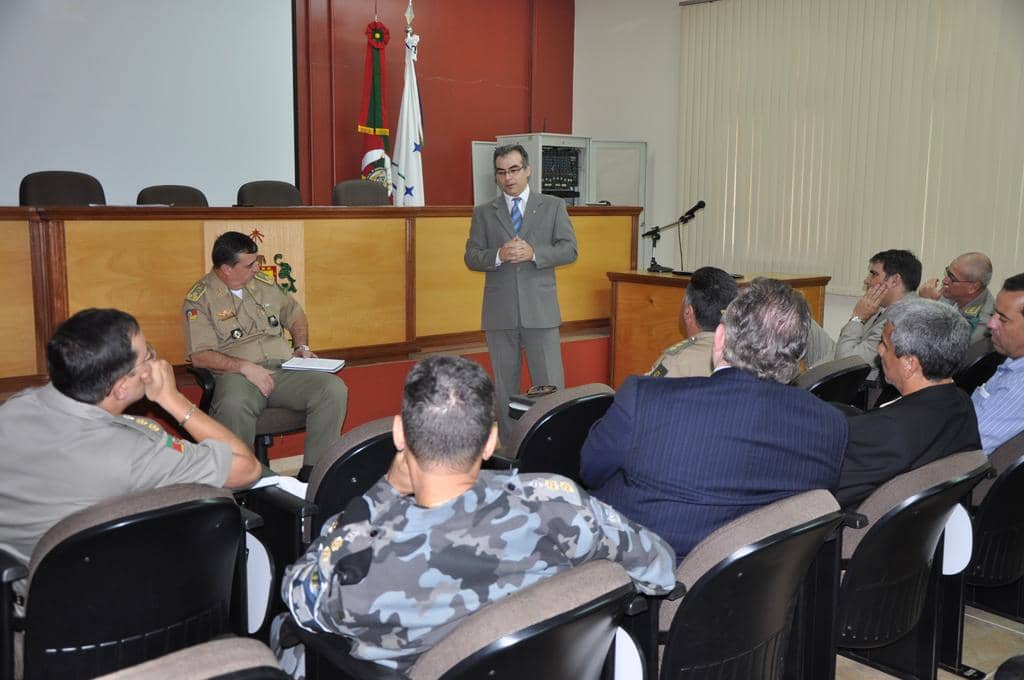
(688, 215)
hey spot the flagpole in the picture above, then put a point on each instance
(407, 160)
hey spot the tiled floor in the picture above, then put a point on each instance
(988, 641)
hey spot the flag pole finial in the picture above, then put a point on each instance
(409, 16)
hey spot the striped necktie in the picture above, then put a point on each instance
(517, 214)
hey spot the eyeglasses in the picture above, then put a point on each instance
(952, 277)
(510, 172)
(150, 356)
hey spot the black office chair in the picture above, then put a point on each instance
(562, 627)
(995, 576)
(130, 579)
(269, 194)
(837, 381)
(978, 366)
(273, 422)
(226, 659)
(742, 583)
(349, 468)
(174, 195)
(889, 597)
(549, 436)
(60, 187)
(360, 192)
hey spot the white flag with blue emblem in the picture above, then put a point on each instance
(407, 161)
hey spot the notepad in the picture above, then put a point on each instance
(303, 364)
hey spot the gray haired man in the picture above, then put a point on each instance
(438, 538)
(922, 344)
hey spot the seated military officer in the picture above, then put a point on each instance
(234, 322)
(436, 513)
(68, 444)
(710, 291)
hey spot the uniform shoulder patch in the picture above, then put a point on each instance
(144, 425)
(659, 371)
(265, 278)
(679, 346)
(196, 292)
(551, 486)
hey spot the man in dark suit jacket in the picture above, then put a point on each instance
(684, 456)
(518, 239)
(923, 342)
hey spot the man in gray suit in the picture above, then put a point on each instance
(518, 239)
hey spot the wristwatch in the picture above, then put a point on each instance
(855, 318)
(301, 348)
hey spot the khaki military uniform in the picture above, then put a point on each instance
(686, 359)
(252, 328)
(61, 456)
(977, 312)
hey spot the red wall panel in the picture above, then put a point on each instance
(477, 69)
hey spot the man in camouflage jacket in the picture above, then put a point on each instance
(438, 538)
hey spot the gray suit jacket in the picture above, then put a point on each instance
(521, 295)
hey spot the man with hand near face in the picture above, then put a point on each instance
(518, 239)
(69, 445)
(893, 276)
(965, 286)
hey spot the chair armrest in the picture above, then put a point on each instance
(677, 592)
(333, 650)
(206, 381)
(250, 520)
(499, 463)
(854, 520)
(284, 501)
(11, 568)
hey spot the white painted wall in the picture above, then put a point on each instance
(626, 87)
(141, 92)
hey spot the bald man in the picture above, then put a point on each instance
(965, 286)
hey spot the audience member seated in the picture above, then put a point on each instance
(69, 445)
(893, 276)
(685, 456)
(235, 318)
(437, 538)
(923, 342)
(965, 286)
(999, 403)
(709, 292)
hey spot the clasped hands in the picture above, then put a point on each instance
(516, 250)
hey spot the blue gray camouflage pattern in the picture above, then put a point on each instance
(432, 566)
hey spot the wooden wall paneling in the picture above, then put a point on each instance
(315, 99)
(584, 291)
(143, 267)
(410, 279)
(551, 60)
(356, 280)
(448, 294)
(474, 80)
(49, 281)
(19, 355)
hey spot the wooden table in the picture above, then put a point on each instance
(645, 314)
